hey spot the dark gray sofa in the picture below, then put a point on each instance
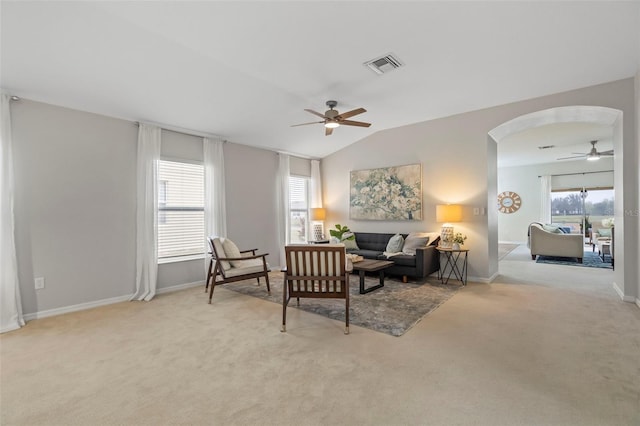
(426, 261)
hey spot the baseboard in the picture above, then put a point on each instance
(75, 308)
(638, 302)
(622, 295)
(512, 242)
(483, 280)
(103, 302)
(179, 287)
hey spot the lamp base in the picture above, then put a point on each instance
(318, 231)
(446, 236)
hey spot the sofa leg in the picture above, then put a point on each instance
(533, 257)
(579, 260)
(404, 279)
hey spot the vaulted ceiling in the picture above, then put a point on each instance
(247, 70)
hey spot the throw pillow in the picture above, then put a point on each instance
(604, 232)
(350, 244)
(395, 244)
(553, 229)
(220, 250)
(232, 250)
(415, 240)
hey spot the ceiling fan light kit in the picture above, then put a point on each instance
(333, 119)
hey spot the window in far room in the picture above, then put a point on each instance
(299, 208)
(180, 210)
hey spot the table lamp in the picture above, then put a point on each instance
(447, 214)
(318, 215)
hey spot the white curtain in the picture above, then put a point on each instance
(215, 212)
(147, 212)
(283, 203)
(545, 199)
(10, 303)
(316, 184)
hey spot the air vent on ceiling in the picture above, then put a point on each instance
(384, 64)
(546, 147)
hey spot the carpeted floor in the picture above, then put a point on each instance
(392, 309)
(505, 248)
(590, 260)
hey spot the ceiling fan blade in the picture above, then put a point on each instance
(316, 113)
(568, 158)
(351, 113)
(608, 153)
(354, 123)
(328, 131)
(304, 124)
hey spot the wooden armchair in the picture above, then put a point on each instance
(315, 271)
(231, 264)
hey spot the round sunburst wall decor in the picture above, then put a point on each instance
(509, 202)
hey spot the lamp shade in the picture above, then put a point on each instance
(447, 213)
(318, 213)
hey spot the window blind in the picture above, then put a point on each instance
(180, 209)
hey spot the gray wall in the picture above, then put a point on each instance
(637, 212)
(75, 205)
(456, 168)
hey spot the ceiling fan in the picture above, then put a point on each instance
(592, 155)
(332, 118)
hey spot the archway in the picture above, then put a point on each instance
(585, 114)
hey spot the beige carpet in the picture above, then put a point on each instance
(538, 347)
(505, 248)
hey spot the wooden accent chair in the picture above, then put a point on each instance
(315, 271)
(231, 264)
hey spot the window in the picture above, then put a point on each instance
(575, 208)
(299, 208)
(180, 209)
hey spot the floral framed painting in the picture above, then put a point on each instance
(389, 193)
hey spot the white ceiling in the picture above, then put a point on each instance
(246, 70)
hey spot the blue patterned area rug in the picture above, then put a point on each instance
(392, 309)
(590, 260)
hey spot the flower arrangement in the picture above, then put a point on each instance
(458, 238)
(607, 222)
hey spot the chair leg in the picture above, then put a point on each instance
(206, 286)
(285, 302)
(266, 278)
(346, 328)
(213, 285)
(258, 280)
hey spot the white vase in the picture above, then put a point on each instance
(455, 246)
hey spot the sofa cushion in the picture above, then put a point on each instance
(372, 240)
(401, 259)
(367, 254)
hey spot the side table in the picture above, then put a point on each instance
(452, 258)
(318, 242)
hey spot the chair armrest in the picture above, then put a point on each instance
(250, 250)
(257, 256)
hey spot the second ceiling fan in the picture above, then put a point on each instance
(332, 118)
(592, 155)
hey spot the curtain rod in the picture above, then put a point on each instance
(182, 131)
(582, 173)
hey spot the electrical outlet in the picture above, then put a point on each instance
(476, 211)
(39, 283)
